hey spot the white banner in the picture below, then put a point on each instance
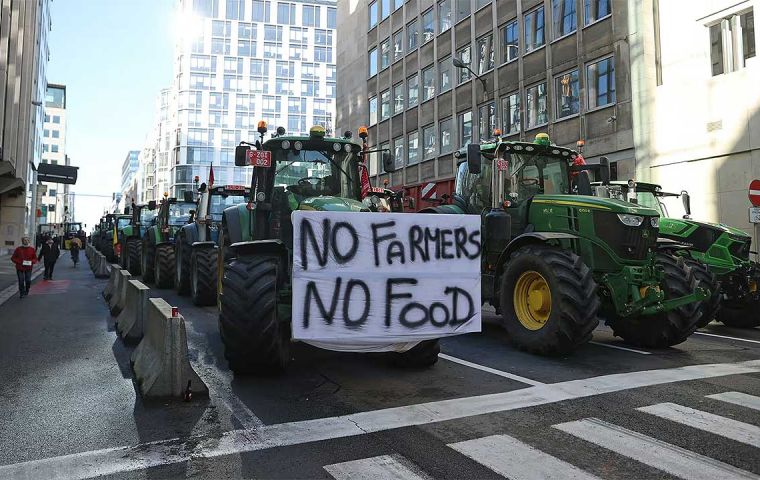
(384, 281)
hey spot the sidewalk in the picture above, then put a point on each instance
(8, 279)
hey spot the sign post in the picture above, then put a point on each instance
(754, 210)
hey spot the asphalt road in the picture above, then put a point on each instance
(484, 410)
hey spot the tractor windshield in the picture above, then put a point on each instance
(533, 174)
(146, 215)
(217, 204)
(73, 227)
(311, 173)
(179, 213)
(122, 222)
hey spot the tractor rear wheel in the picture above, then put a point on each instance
(705, 278)
(182, 270)
(424, 354)
(255, 339)
(134, 248)
(669, 328)
(548, 300)
(148, 262)
(740, 314)
(164, 266)
(203, 276)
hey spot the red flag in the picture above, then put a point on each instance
(211, 176)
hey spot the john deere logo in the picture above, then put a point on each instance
(645, 234)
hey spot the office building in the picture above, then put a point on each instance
(23, 59)
(128, 171)
(55, 200)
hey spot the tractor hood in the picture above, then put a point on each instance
(595, 203)
(679, 226)
(331, 204)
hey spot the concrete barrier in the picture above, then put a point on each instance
(119, 295)
(91, 258)
(160, 362)
(101, 266)
(111, 285)
(129, 323)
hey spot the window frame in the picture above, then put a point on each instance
(555, 36)
(434, 154)
(557, 96)
(369, 61)
(525, 30)
(528, 127)
(503, 40)
(588, 24)
(504, 112)
(451, 132)
(434, 70)
(586, 86)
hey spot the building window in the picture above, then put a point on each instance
(386, 8)
(412, 35)
(46, 133)
(445, 131)
(398, 4)
(373, 62)
(385, 54)
(465, 129)
(56, 119)
(732, 42)
(487, 120)
(510, 114)
(510, 42)
(398, 98)
(54, 148)
(463, 9)
(564, 17)
(398, 45)
(372, 110)
(445, 66)
(286, 13)
(332, 17)
(413, 148)
(428, 142)
(594, 10)
(311, 16)
(535, 106)
(481, 3)
(428, 83)
(310, 88)
(321, 37)
(385, 105)
(398, 151)
(534, 29)
(413, 84)
(566, 94)
(465, 55)
(260, 11)
(485, 54)
(600, 83)
(322, 54)
(444, 15)
(235, 10)
(372, 15)
(428, 28)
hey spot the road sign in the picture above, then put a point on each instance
(754, 193)
(754, 214)
(260, 158)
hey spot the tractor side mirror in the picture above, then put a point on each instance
(188, 196)
(389, 163)
(241, 155)
(473, 158)
(152, 205)
(686, 199)
(583, 183)
(604, 171)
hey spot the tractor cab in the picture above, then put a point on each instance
(219, 199)
(171, 216)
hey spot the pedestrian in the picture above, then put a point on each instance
(76, 245)
(50, 252)
(24, 257)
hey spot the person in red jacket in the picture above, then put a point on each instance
(24, 257)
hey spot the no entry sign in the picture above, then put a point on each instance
(754, 193)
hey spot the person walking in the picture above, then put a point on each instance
(76, 245)
(24, 257)
(50, 252)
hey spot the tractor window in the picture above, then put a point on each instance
(311, 173)
(146, 216)
(179, 213)
(649, 200)
(122, 222)
(536, 174)
(474, 189)
(74, 227)
(218, 203)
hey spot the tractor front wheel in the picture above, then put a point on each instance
(548, 300)
(740, 314)
(203, 277)
(669, 328)
(182, 270)
(134, 247)
(148, 262)
(255, 339)
(164, 266)
(706, 279)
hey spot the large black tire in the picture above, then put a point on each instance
(164, 266)
(572, 305)
(255, 340)
(134, 252)
(182, 270)
(424, 354)
(148, 262)
(663, 329)
(705, 278)
(203, 265)
(736, 314)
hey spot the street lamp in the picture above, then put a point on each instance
(460, 64)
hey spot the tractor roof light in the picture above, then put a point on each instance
(280, 131)
(285, 144)
(166, 194)
(542, 139)
(262, 127)
(337, 147)
(363, 132)
(317, 131)
(497, 132)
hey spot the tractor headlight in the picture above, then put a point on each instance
(655, 222)
(285, 144)
(260, 196)
(347, 148)
(631, 220)
(298, 145)
(336, 147)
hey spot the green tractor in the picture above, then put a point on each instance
(290, 173)
(106, 236)
(130, 236)
(157, 256)
(556, 258)
(196, 248)
(718, 253)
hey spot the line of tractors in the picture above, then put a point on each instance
(560, 252)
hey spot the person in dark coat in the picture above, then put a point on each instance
(50, 253)
(24, 258)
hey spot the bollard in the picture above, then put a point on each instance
(101, 266)
(112, 281)
(160, 362)
(119, 290)
(129, 323)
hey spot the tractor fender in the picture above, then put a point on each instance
(527, 239)
(260, 247)
(203, 244)
(232, 225)
(190, 232)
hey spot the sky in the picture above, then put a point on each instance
(114, 56)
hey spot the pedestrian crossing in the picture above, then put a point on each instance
(512, 458)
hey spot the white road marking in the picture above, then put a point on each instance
(650, 451)
(142, 456)
(617, 347)
(385, 467)
(729, 338)
(709, 422)
(738, 398)
(516, 460)
(500, 373)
